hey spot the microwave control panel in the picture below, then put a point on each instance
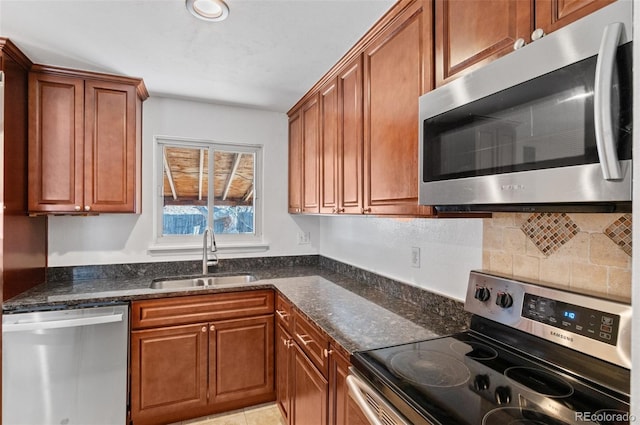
(588, 322)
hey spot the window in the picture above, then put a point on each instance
(207, 184)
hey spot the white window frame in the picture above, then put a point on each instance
(232, 243)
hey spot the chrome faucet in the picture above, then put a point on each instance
(206, 262)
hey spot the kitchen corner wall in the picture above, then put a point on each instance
(449, 249)
(577, 251)
(125, 238)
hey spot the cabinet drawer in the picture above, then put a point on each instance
(200, 308)
(283, 312)
(312, 341)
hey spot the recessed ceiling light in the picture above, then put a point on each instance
(208, 10)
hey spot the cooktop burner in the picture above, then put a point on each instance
(519, 416)
(474, 350)
(429, 368)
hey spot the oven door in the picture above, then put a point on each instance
(372, 404)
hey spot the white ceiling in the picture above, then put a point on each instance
(266, 55)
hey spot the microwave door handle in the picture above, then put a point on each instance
(605, 140)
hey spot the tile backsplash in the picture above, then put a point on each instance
(578, 251)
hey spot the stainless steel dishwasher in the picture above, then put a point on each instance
(65, 367)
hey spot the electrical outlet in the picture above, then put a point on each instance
(304, 238)
(415, 257)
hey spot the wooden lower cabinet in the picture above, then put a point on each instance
(241, 362)
(183, 371)
(168, 372)
(284, 365)
(309, 405)
(338, 392)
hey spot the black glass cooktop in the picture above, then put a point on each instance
(469, 379)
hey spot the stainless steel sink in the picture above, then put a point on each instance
(202, 282)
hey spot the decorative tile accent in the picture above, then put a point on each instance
(549, 231)
(620, 233)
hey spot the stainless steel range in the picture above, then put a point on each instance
(533, 355)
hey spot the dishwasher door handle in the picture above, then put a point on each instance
(58, 324)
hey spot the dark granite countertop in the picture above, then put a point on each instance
(356, 314)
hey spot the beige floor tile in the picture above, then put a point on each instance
(264, 415)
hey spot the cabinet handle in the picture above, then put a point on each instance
(366, 210)
(537, 34)
(77, 208)
(87, 208)
(212, 328)
(340, 210)
(204, 329)
(520, 43)
(290, 343)
(327, 352)
(283, 315)
(302, 339)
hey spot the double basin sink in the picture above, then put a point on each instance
(202, 281)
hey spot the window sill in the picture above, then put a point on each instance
(173, 249)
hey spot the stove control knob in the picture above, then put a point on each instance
(481, 382)
(504, 300)
(503, 395)
(482, 293)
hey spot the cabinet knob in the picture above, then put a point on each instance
(327, 352)
(340, 210)
(204, 329)
(212, 328)
(77, 208)
(87, 208)
(520, 43)
(366, 210)
(537, 34)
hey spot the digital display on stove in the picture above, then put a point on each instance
(594, 324)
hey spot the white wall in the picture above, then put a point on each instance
(449, 249)
(112, 239)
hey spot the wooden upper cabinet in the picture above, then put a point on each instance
(311, 156)
(471, 33)
(397, 70)
(329, 125)
(112, 147)
(85, 142)
(350, 154)
(341, 141)
(295, 163)
(554, 14)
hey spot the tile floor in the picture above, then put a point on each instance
(264, 414)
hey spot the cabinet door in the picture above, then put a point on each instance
(168, 373)
(338, 393)
(396, 72)
(284, 357)
(56, 135)
(310, 392)
(311, 156)
(554, 14)
(471, 33)
(241, 362)
(295, 163)
(350, 142)
(329, 122)
(111, 145)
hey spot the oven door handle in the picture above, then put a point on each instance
(356, 387)
(603, 121)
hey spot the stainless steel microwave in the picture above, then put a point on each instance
(547, 127)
